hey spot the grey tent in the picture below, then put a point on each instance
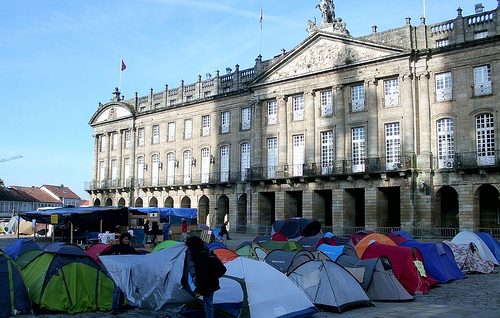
(287, 261)
(329, 286)
(376, 277)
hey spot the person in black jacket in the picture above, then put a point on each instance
(123, 248)
(205, 279)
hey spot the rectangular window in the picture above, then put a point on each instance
(357, 98)
(272, 156)
(246, 118)
(102, 175)
(205, 165)
(205, 125)
(298, 107)
(298, 155)
(485, 139)
(480, 34)
(156, 134)
(482, 80)
(128, 138)
(188, 129)
(99, 143)
(245, 160)
(327, 152)
(358, 149)
(443, 87)
(114, 170)
(391, 92)
(225, 121)
(114, 141)
(142, 136)
(171, 131)
(446, 143)
(442, 42)
(392, 146)
(126, 170)
(326, 102)
(272, 112)
(172, 102)
(224, 163)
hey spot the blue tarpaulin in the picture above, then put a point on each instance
(175, 214)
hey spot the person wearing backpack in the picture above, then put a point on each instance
(205, 270)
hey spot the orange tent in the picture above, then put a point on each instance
(372, 238)
(225, 255)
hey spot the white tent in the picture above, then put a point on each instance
(269, 293)
(467, 237)
(329, 285)
(150, 281)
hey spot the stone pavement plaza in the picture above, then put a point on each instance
(476, 296)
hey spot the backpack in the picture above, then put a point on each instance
(216, 265)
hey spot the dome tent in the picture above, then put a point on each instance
(13, 293)
(295, 227)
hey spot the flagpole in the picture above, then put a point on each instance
(260, 43)
(120, 82)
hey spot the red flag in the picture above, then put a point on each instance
(123, 67)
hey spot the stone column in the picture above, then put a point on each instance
(371, 201)
(279, 204)
(307, 203)
(372, 129)
(310, 117)
(119, 157)
(337, 209)
(95, 164)
(340, 112)
(406, 101)
(282, 130)
(107, 164)
(256, 149)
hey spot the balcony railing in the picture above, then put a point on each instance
(339, 167)
(469, 160)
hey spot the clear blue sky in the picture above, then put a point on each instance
(60, 58)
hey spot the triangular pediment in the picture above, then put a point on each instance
(110, 112)
(325, 52)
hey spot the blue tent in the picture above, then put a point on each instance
(334, 251)
(492, 244)
(20, 246)
(439, 261)
(216, 245)
(13, 293)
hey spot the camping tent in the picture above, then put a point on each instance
(359, 235)
(277, 245)
(329, 286)
(225, 255)
(13, 293)
(20, 246)
(287, 261)
(371, 238)
(334, 251)
(376, 277)
(216, 245)
(466, 237)
(255, 289)
(403, 265)
(97, 249)
(492, 244)
(468, 258)
(295, 227)
(64, 278)
(310, 243)
(153, 280)
(439, 261)
(251, 250)
(165, 244)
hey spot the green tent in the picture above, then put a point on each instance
(13, 293)
(65, 279)
(165, 244)
(280, 245)
(251, 250)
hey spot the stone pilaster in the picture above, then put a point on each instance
(310, 117)
(340, 113)
(372, 108)
(283, 129)
(371, 207)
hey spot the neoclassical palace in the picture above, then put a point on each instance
(397, 128)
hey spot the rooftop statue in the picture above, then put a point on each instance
(327, 10)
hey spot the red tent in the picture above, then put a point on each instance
(278, 236)
(403, 266)
(358, 236)
(97, 249)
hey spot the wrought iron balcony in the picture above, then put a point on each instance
(334, 168)
(468, 161)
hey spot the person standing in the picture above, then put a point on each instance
(147, 232)
(204, 274)
(184, 229)
(224, 231)
(155, 229)
(122, 248)
(166, 230)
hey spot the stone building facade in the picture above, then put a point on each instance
(393, 129)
